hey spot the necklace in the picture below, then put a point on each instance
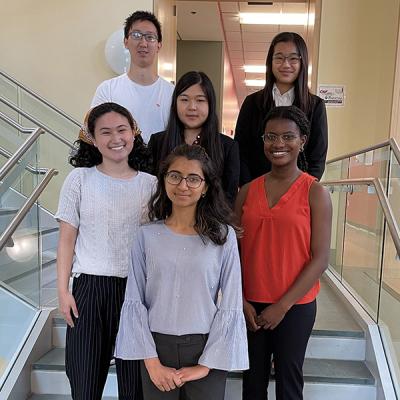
(197, 140)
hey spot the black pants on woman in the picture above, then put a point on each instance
(184, 351)
(287, 344)
(90, 344)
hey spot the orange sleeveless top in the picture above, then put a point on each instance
(276, 243)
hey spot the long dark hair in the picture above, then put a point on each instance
(87, 155)
(209, 136)
(302, 97)
(294, 114)
(213, 215)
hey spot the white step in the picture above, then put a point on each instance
(333, 345)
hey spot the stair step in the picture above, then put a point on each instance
(61, 397)
(337, 345)
(342, 376)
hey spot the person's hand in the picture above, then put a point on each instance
(66, 304)
(194, 373)
(271, 316)
(164, 378)
(250, 316)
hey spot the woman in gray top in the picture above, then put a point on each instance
(173, 317)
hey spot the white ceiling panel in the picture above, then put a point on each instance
(233, 36)
(258, 37)
(255, 55)
(231, 22)
(235, 46)
(260, 28)
(236, 55)
(229, 6)
(257, 46)
(262, 8)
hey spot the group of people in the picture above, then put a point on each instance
(193, 254)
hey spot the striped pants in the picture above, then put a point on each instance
(90, 344)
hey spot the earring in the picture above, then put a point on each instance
(203, 195)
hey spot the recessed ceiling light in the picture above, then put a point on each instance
(274, 18)
(255, 82)
(255, 68)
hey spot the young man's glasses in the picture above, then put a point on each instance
(293, 59)
(149, 37)
(273, 138)
(193, 181)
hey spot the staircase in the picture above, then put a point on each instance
(335, 365)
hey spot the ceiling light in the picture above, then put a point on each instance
(255, 68)
(255, 82)
(274, 18)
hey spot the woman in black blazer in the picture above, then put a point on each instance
(286, 84)
(193, 120)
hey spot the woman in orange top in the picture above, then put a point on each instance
(286, 216)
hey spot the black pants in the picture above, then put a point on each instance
(287, 343)
(90, 344)
(184, 351)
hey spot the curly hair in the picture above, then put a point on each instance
(87, 155)
(213, 214)
(296, 115)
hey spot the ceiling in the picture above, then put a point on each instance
(245, 44)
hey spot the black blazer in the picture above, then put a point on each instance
(253, 162)
(230, 174)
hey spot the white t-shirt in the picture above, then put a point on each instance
(107, 213)
(149, 105)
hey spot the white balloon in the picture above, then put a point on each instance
(117, 56)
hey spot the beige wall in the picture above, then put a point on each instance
(57, 47)
(203, 56)
(358, 50)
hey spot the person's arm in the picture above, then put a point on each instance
(226, 346)
(231, 174)
(65, 253)
(317, 145)
(321, 221)
(243, 138)
(249, 311)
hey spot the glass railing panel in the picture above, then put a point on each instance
(393, 192)
(338, 218)
(47, 116)
(371, 164)
(361, 239)
(16, 321)
(389, 306)
(336, 170)
(18, 184)
(10, 137)
(20, 259)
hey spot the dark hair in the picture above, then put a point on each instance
(213, 215)
(142, 16)
(209, 137)
(302, 97)
(87, 155)
(294, 114)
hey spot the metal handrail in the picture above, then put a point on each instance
(40, 98)
(30, 168)
(383, 200)
(13, 160)
(36, 122)
(11, 228)
(390, 142)
(14, 124)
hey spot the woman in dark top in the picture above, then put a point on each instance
(286, 84)
(193, 120)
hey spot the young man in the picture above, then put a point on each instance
(146, 95)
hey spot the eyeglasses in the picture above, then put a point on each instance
(149, 37)
(293, 59)
(193, 181)
(273, 138)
